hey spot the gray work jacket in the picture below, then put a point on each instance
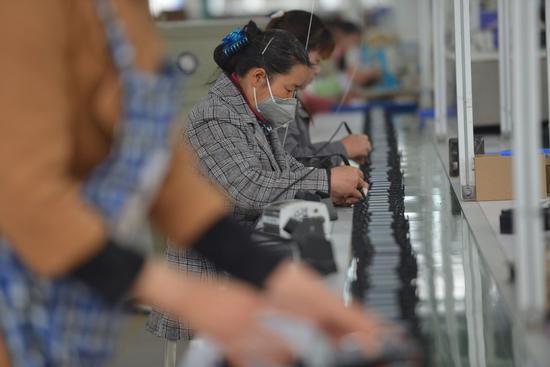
(298, 140)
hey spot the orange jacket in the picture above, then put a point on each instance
(60, 101)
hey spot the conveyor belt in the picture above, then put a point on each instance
(385, 264)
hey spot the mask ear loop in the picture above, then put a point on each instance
(269, 87)
(255, 99)
(286, 132)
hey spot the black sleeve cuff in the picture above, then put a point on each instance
(112, 272)
(229, 246)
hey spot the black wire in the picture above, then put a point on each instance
(332, 137)
(267, 234)
(297, 181)
(294, 183)
(285, 190)
(343, 123)
(269, 238)
(344, 158)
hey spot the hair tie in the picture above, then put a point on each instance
(277, 14)
(234, 42)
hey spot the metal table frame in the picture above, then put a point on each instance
(520, 100)
(440, 69)
(530, 264)
(464, 98)
(505, 86)
(424, 53)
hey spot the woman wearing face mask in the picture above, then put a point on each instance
(313, 35)
(234, 131)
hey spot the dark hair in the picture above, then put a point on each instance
(297, 23)
(343, 26)
(284, 52)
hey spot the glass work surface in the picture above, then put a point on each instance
(462, 315)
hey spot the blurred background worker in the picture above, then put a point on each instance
(344, 80)
(347, 53)
(319, 44)
(81, 83)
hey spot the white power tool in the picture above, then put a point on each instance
(277, 215)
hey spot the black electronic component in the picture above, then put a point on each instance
(386, 268)
(314, 248)
(506, 220)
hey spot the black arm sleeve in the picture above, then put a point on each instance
(112, 272)
(229, 246)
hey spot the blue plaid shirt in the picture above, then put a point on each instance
(52, 322)
(61, 322)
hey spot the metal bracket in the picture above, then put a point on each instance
(468, 193)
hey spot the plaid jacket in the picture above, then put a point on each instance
(186, 260)
(253, 168)
(236, 153)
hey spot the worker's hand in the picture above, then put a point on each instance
(227, 312)
(357, 147)
(346, 185)
(345, 201)
(295, 289)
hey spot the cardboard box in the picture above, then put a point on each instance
(494, 177)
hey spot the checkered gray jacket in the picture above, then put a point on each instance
(236, 153)
(250, 165)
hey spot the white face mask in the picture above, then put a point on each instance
(279, 111)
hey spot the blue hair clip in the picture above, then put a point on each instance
(234, 42)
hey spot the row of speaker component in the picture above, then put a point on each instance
(385, 263)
